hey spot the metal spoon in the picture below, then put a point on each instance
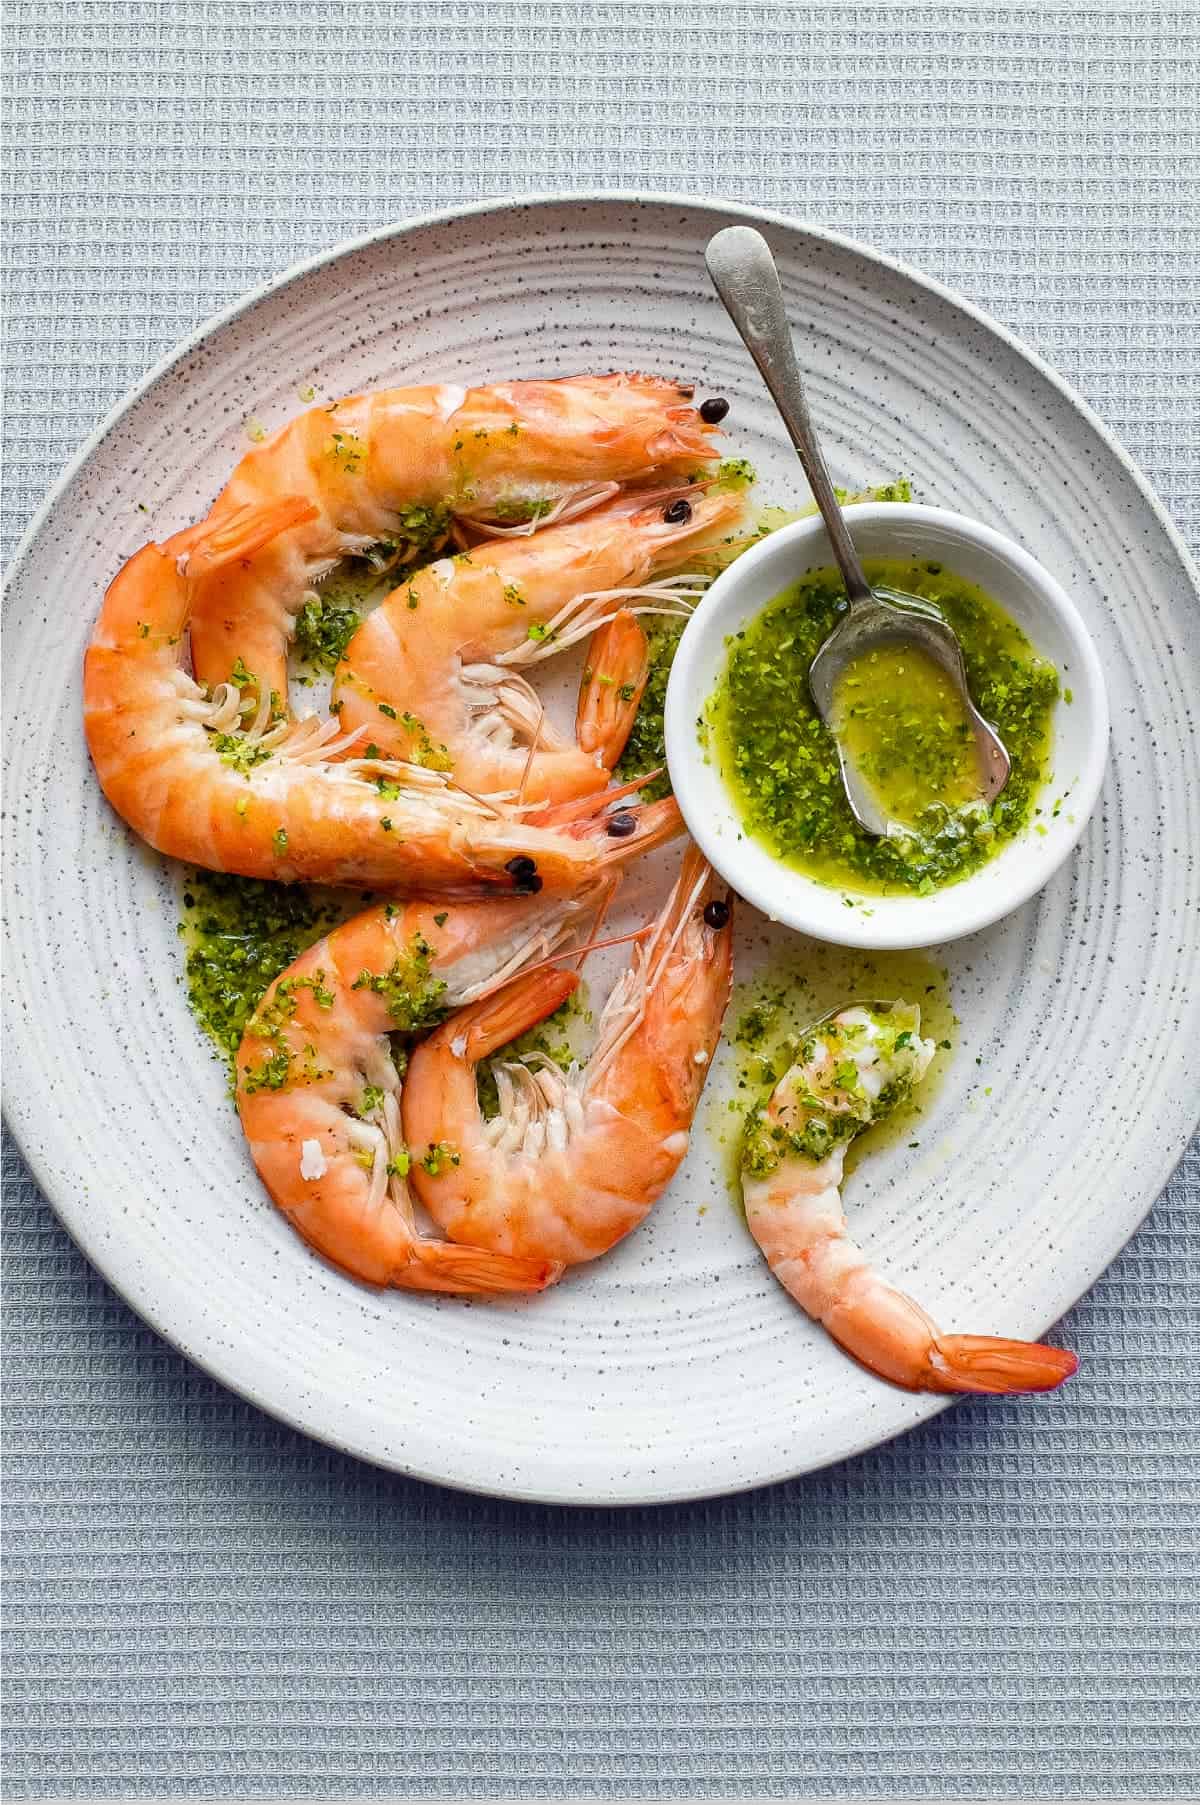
(744, 274)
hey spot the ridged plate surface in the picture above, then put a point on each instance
(676, 1366)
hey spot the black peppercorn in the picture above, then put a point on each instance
(716, 914)
(714, 410)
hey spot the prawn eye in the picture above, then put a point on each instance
(678, 512)
(622, 824)
(523, 870)
(716, 914)
(713, 411)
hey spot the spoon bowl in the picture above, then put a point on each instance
(892, 619)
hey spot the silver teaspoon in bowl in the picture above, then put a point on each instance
(744, 274)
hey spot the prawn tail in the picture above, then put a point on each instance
(612, 686)
(443, 1266)
(246, 530)
(987, 1363)
(521, 1005)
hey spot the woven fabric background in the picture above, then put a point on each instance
(200, 1602)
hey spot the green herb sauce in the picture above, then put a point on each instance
(415, 997)
(241, 932)
(645, 749)
(333, 614)
(770, 1013)
(830, 1105)
(902, 723)
(780, 761)
(325, 626)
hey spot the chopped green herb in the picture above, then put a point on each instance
(347, 451)
(823, 1101)
(415, 998)
(439, 1156)
(780, 761)
(735, 473)
(271, 1075)
(324, 628)
(239, 752)
(517, 510)
(420, 529)
(269, 1019)
(242, 932)
(424, 750)
(645, 749)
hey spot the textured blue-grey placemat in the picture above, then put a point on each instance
(200, 1602)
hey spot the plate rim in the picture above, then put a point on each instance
(500, 206)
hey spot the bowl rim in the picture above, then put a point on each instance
(892, 923)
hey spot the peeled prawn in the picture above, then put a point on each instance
(277, 799)
(388, 472)
(574, 1160)
(318, 1085)
(435, 673)
(852, 1070)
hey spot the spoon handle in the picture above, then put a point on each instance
(744, 274)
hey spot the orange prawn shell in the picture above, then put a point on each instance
(280, 820)
(364, 459)
(401, 678)
(574, 1204)
(333, 1030)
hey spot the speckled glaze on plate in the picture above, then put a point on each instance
(676, 1367)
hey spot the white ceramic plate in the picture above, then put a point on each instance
(677, 1366)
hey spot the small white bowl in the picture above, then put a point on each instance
(1079, 745)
